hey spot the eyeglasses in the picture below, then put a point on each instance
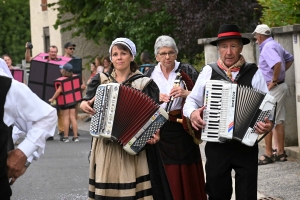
(170, 54)
(72, 49)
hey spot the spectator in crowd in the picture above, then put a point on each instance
(4, 68)
(93, 73)
(222, 158)
(146, 61)
(9, 61)
(106, 64)
(52, 53)
(18, 76)
(68, 112)
(274, 61)
(69, 50)
(99, 64)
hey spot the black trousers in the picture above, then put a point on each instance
(5, 190)
(221, 158)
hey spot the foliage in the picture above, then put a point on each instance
(198, 61)
(14, 28)
(144, 20)
(279, 12)
(141, 21)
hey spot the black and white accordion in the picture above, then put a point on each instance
(232, 112)
(126, 115)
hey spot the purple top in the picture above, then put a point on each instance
(271, 53)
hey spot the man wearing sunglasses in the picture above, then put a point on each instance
(69, 49)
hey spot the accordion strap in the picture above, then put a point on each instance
(104, 77)
(133, 78)
(244, 69)
(217, 69)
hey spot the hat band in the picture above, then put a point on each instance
(229, 34)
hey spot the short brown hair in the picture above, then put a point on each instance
(53, 46)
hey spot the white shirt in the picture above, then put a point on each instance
(31, 115)
(195, 99)
(165, 85)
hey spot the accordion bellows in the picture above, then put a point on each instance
(232, 111)
(126, 115)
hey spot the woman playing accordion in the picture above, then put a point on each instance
(181, 155)
(113, 172)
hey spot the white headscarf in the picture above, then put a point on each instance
(4, 68)
(125, 41)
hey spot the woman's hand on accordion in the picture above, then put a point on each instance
(264, 127)
(196, 120)
(155, 137)
(86, 106)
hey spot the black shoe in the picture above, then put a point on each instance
(71, 133)
(50, 138)
(88, 119)
(61, 137)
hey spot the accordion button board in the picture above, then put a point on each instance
(232, 111)
(125, 115)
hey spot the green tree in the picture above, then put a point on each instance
(14, 28)
(144, 20)
(141, 21)
(280, 12)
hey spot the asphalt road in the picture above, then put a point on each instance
(62, 173)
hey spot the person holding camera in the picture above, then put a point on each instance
(52, 52)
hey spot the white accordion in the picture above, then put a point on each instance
(232, 111)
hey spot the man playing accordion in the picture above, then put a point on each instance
(232, 154)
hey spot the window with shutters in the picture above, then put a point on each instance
(44, 5)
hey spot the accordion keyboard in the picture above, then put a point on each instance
(218, 117)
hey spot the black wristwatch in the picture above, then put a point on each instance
(27, 164)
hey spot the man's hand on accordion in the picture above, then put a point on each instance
(155, 137)
(86, 106)
(264, 127)
(196, 120)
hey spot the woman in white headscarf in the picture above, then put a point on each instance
(113, 172)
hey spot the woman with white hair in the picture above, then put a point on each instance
(114, 173)
(180, 154)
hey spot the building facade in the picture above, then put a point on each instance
(43, 34)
